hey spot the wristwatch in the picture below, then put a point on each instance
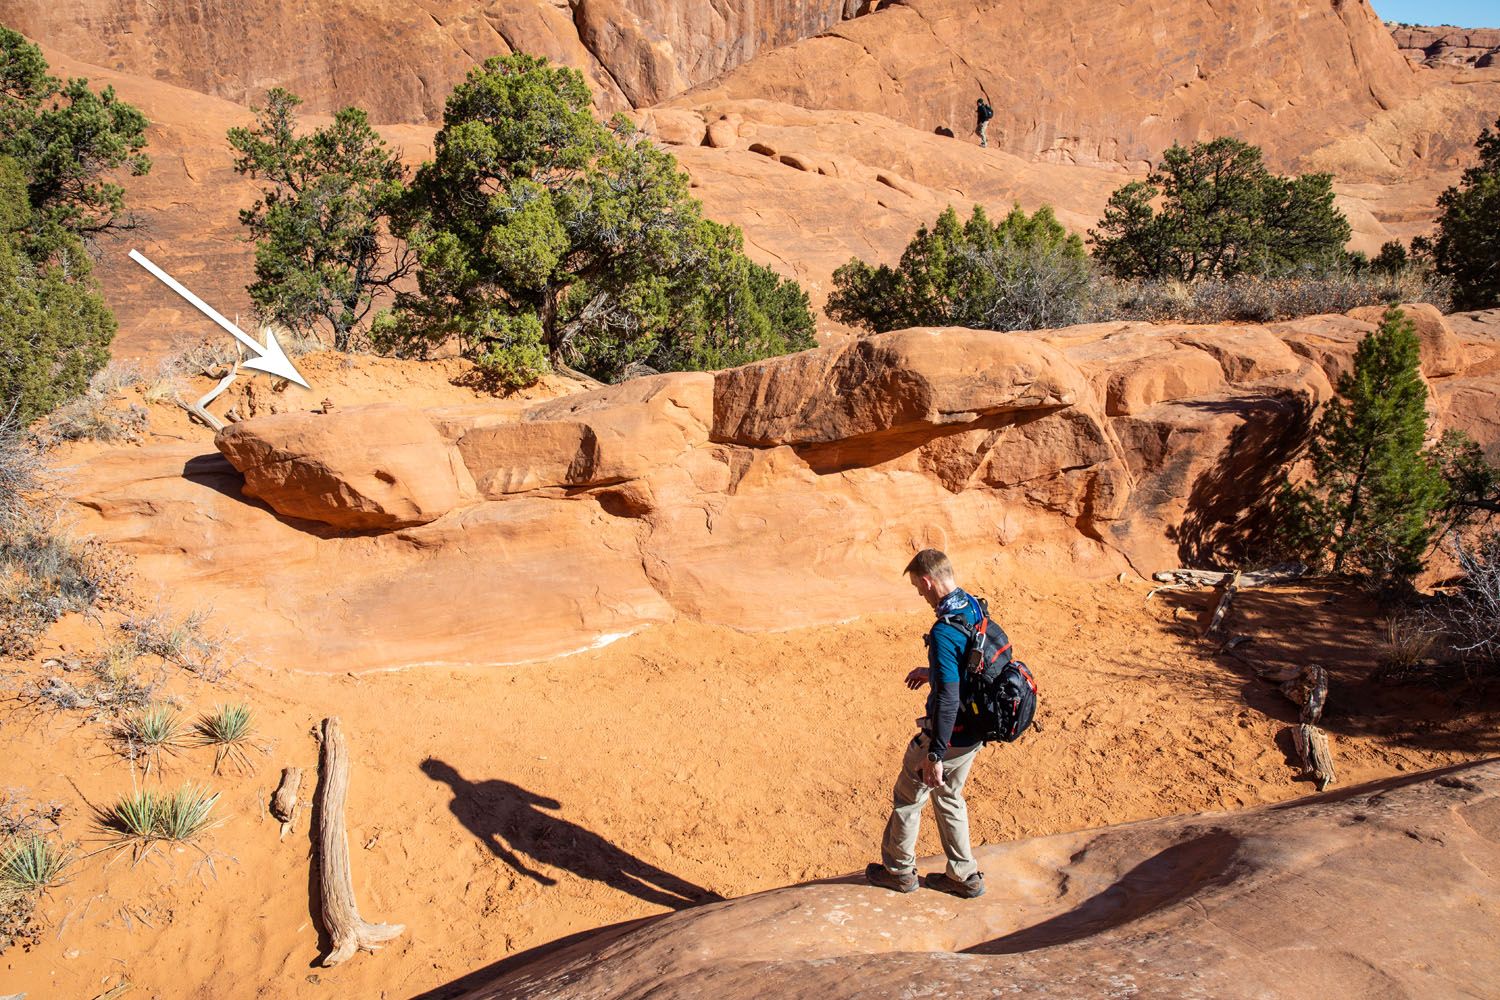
(934, 757)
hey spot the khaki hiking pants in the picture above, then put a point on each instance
(898, 850)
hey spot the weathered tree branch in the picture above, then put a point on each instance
(1317, 761)
(284, 802)
(349, 931)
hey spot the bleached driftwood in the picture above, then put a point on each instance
(284, 802)
(200, 408)
(348, 930)
(1317, 761)
(1213, 578)
(1231, 587)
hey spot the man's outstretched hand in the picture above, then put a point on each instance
(917, 678)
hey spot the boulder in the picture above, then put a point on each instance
(909, 379)
(365, 468)
(608, 435)
(1442, 352)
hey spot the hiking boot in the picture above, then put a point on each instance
(885, 878)
(970, 888)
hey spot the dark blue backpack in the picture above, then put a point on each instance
(998, 692)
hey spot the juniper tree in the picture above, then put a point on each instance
(548, 238)
(1467, 246)
(1222, 214)
(1021, 273)
(54, 327)
(323, 250)
(65, 137)
(1375, 494)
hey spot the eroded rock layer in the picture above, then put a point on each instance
(779, 493)
(1318, 897)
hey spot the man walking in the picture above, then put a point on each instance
(982, 115)
(938, 758)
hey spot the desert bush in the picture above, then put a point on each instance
(1466, 248)
(95, 415)
(1252, 299)
(548, 238)
(1376, 495)
(228, 729)
(185, 643)
(1410, 639)
(1221, 213)
(1022, 273)
(146, 816)
(43, 575)
(1471, 615)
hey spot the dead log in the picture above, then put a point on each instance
(1317, 761)
(1213, 578)
(200, 408)
(348, 930)
(1317, 694)
(1230, 589)
(284, 802)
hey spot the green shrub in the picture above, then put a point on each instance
(546, 238)
(1022, 273)
(30, 865)
(1467, 247)
(1375, 497)
(1221, 214)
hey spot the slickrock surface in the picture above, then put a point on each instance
(1446, 45)
(1090, 449)
(1388, 889)
(398, 61)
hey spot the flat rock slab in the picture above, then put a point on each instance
(1385, 890)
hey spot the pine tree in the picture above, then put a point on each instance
(1467, 248)
(1375, 495)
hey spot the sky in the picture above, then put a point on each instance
(1464, 13)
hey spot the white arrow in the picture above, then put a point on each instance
(269, 358)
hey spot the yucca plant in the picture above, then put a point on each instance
(228, 731)
(184, 814)
(146, 816)
(149, 733)
(134, 816)
(30, 865)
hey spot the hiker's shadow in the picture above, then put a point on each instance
(509, 820)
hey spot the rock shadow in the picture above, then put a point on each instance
(1167, 877)
(510, 821)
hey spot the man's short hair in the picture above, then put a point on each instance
(931, 562)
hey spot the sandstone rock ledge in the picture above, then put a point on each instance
(784, 493)
(1385, 890)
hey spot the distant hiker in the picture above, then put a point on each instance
(982, 115)
(968, 662)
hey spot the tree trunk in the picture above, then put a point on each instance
(1317, 761)
(348, 930)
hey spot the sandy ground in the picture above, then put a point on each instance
(496, 811)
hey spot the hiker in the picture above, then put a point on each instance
(982, 115)
(938, 758)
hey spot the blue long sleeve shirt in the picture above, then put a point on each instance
(946, 645)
